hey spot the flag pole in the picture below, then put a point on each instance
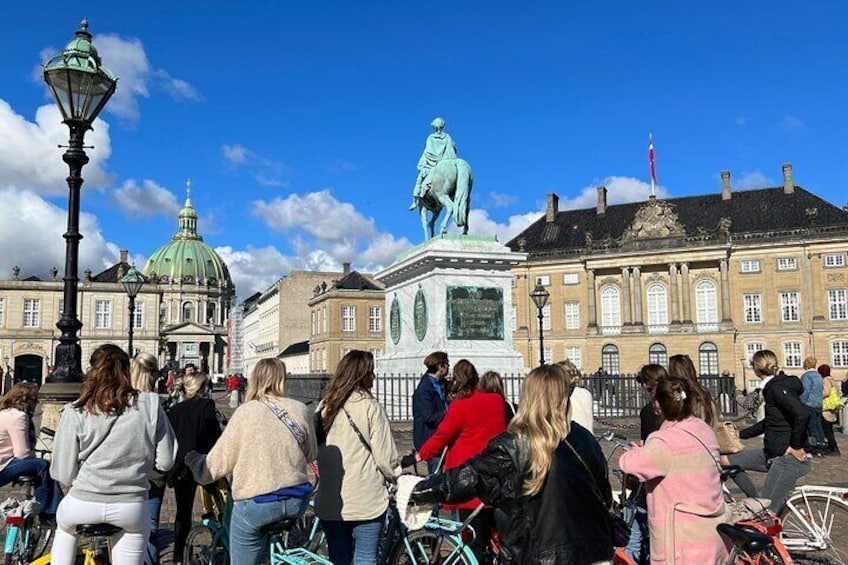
(653, 167)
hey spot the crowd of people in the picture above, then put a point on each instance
(536, 466)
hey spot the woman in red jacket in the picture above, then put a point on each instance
(472, 420)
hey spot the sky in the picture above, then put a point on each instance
(301, 123)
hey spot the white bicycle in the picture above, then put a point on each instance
(815, 523)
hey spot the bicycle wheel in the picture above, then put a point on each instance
(817, 525)
(770, 556)
(200, 550)
(306, 534)
(426, 546)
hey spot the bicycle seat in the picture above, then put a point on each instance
(278, 528)
(730, 472)
(25, 480)
(750, 541)
(97, 530)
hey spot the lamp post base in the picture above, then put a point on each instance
(53, 397)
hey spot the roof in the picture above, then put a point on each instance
(298, 348)
(110, 275)
(355, 280)
(707, 217)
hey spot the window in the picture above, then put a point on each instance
(839, 353)
(32, 309)
(323, 359)
(572, 315)
(790, 306)
(2, 311)
(609, 359)
(751, 266)
(708, 358)
(188, 312)
(658, 354)
(571, 278)
(751, 348)
(376, 353)
(753, 308)
(314, 323)
(348, 318)
(190, 349)
(787, 263)
(61, 308)
(544, 280)
(574, 355)
(834, 260)
(514, 282)
(706, 305)
(375, 318)
(792, 354)
(657, 306)
(324, 319)
(837, 303)
(102, 314)
(546, 317)
(346, 350)
(549, 355)
(610, 307)
(211, 311)
(138, 315)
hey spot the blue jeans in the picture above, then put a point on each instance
(248, 545)
(353, 542)
(814, 428)
(47, 491)
(782, 474)
(637, 543)
(154, 503)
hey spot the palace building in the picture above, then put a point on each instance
(715, 276)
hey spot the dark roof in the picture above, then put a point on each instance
(295, 349)
(355, 280)
(110, 275)
(32, 278)
(768, 209)
(250, 299)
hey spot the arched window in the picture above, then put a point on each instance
(610, 307)
(708, 359)
(658, 354)
(188, 312)
(657, 308)
(706, 306)
(211, 310)
(609, 359)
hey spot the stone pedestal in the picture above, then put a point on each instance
(453, 294)
(52, 398)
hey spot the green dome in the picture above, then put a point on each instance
(186, 258)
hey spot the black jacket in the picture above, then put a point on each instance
(567, 523)
(785, 424)
(428, 411)
(196, 428)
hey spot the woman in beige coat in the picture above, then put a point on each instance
(358, 459)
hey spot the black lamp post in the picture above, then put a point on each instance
(132, 281)
(540, 297)
(81, 86)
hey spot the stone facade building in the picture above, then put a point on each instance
(714, 276)
(344, 315)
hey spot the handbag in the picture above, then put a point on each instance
(728, 438)
(832, 402)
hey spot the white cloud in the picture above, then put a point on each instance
(501, 200)
(479, 223)
(29, 155)
(319, 214)
(791, 123)
(178, 88)
(266, 172)
(145, 200)
(31, 232)
(236, 154)
(620, 190)
(382, 251)
(254, 268)
(750, 180)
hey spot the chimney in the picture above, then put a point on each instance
(124, 255)
(788, 184)
(346, 268)
(602, 200)
(726, 193)
(553, 207)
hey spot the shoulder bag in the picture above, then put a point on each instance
(297, 432)
(728, 438)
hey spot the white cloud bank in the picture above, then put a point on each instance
(146, 200)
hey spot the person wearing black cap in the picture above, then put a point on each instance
(829, 413)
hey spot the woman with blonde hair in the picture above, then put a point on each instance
(580, 402)
(107, 443)
(360, 456)
(265, 448)
(143, 371)
(547, 476)
(784, 431)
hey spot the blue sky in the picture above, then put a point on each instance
(301, 122)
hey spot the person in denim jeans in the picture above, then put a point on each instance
(785, 432)
(812, 399)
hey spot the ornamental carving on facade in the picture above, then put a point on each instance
(656, 219)
(655, 278)
(609, 281)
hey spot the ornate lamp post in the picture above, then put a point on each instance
(132, 282)
(81, 86)
(540, 297)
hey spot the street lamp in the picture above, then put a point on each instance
(132, 281)
(540, 298)
(81, 86)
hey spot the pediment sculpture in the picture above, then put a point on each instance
(656, 219)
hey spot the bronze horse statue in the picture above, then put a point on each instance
(450, 189)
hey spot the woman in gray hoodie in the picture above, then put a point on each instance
(107, 443)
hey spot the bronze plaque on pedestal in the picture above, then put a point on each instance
(475, 313)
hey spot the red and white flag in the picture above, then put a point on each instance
(653, 163)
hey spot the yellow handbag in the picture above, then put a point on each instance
(832, 401)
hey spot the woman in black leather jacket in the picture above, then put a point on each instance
(546, 477)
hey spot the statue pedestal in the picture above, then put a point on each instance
(453, 294)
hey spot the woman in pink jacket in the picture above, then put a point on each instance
(679, 464)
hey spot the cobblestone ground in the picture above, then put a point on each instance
(825, 471)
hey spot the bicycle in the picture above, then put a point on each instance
(815, 523)
(98, 547)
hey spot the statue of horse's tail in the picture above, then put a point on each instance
(464, 181)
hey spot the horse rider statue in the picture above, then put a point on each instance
(439, 146)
